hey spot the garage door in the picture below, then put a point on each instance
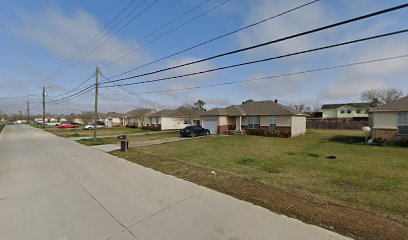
(211, 125)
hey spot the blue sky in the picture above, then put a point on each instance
(39, 37)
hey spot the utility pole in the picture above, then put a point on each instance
(28, 112)
(96, 102)
(43, 103)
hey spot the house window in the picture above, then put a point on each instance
(358, 111)
(272, 123)
(187, 121)
(342, 111)
(348, 111)
(403, 123)
(254, 122)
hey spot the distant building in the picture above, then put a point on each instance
(112, 119)
(390, 121)
(345, 112)
(175, 119)
(137, 117)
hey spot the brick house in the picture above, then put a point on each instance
(345, 112)
(390, 121)
(267, 115)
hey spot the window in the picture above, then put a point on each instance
(254, 122)
(403, 123)
(348, 111)
(358, 111)
(272, 123)
(187, 121)
(342, 111)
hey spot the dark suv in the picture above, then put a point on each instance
(193, 131)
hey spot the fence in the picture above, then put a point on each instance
(336, 125)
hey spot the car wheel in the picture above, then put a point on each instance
(193, 135)
(207, 132)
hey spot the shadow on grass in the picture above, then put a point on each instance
(347, 139)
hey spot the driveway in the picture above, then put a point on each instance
(54, 188)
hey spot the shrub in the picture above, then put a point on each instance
(379, 141)
(268, 133)
(151, 128)
(403, 142)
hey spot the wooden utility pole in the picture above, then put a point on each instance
(28, 112)
(43, 105)
(96, 101)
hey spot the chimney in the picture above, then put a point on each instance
(276, 100)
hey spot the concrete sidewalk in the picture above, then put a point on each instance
(54, 188)
(113, 147)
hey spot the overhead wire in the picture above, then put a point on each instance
(263, 60)
(269, 42)
(215, 38)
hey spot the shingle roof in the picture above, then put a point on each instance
(179, 112)
(398, 105)
(112, 115)
(354, 105)
(138, 112)
(253, 108)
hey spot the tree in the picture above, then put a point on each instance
(381, 96)
(248, 101)
(200, 105)
(87, 117)
(187, 114)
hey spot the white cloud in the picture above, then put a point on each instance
(64, 35)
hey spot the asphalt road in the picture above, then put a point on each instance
(53, 188)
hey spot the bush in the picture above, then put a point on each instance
(403, 142)
(268, 133)
(151, 128)
(379, 141)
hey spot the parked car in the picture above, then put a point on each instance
(192, 131)
(52, 124)
(67, 125)
(90, 126)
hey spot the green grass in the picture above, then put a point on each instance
(1, 127)
(370, 178)
(110, 140)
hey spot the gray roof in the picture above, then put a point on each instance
(112, 115)
(179, 112)
(398, 105)
(262, 108)
(139, 112)
(338, 105)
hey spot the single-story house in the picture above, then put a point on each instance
(137, 117)
(345, 112)
(175, 119)
(267, 115)
(390, 121)
(112, 119)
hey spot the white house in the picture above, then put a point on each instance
(174, 119)
(137, 117)
(113, 119)
(266, 115)
(390, 121)
(345, 112)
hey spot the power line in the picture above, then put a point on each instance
(280, 75)
(265, 59)
(267, 43)
(153, 32)
(23, 96)
(158, 105)
(215, 38)
(76, 88)
(92, 39)
(168, 32)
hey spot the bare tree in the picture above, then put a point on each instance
(87, 117)
(248, 101)
(378, 97)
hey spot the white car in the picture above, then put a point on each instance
(89, 127)
(51, 124)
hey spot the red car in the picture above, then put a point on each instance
(67, 125)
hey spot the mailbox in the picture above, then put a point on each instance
(124, 143)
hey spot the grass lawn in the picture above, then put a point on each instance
(1, 127)
(363, 193)
(88, 133)
(99, 141)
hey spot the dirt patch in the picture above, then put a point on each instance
(347, 221)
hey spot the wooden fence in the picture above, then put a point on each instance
(336, 125)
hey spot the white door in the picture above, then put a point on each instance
(211, 125)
